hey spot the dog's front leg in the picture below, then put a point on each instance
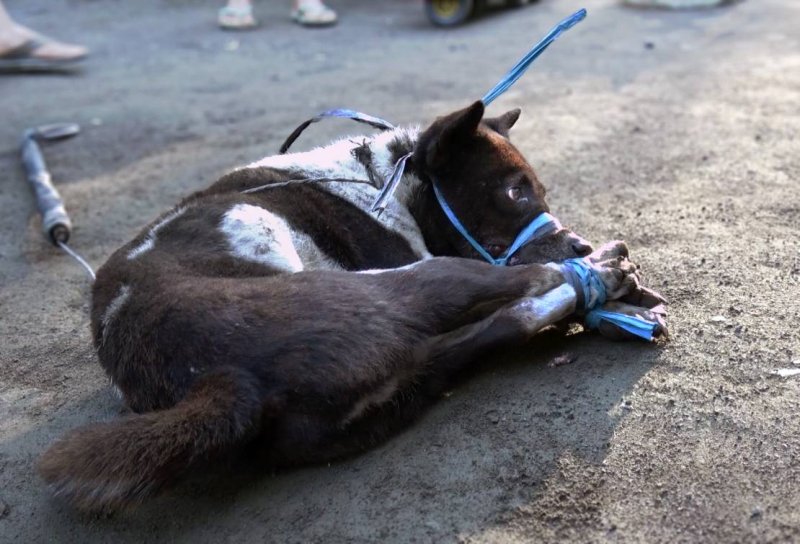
(443, 356)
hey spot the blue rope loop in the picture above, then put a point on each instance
(524, 63)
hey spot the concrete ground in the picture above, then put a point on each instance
(677, 131)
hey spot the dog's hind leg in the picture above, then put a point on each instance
(108, 466)
(430, 370)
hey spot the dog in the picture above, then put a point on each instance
(274, 311)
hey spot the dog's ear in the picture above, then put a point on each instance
(503, 123)
(451, 131)
(462, 123)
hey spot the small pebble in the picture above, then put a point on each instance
(561, 360)
(431, 524)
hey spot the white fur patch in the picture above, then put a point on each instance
(538, 312)
(117, 391)
(311, 255)
(375, 271)
(260, 236)
(337, 161)
(377, 397)
(150, 240)
(113, 308)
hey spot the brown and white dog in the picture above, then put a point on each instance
(292, 319)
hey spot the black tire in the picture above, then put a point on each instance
(449, 12)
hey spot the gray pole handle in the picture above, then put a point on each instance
(55, 221)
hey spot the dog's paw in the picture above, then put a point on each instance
(625, 283)
(609, 250)
(618, 274)
(644, 297)
(657, 314)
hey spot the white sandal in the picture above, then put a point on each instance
(236, 18)
(314, 14)
(676, 4)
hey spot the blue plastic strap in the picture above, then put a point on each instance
(459, 227)
(638, 326)
(589, 281)
(542, 224)
(591, 284)
(371, 120)
(391, 185)
(524, 63)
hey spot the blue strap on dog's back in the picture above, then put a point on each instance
(524, 63)
(594, 295)
(344, 113)
(391, 184)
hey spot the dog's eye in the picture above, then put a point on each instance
(514, 193)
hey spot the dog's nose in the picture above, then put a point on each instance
(581, 247)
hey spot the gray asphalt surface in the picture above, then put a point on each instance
(676, 131)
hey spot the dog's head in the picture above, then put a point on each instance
(490, 187)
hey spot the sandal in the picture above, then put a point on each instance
(676, 4)
(236, 18)
(23, 59)
(314, 14)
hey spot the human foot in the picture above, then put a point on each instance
(237, 16)
(21, 41)
(23, 50)
(313, 13)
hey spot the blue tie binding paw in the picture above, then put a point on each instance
(617, 320)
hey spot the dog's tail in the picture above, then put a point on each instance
(110, 466)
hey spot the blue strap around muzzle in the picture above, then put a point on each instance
(541, 225)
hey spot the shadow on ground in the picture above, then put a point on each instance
(484, 451)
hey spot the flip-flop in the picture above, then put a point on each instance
(236, 18)
(22, 59)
